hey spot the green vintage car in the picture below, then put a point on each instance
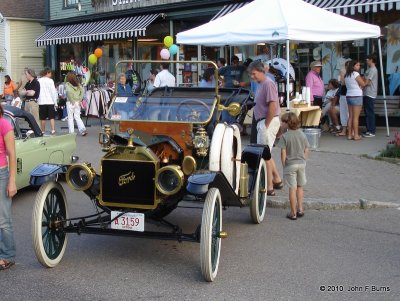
(34, 148)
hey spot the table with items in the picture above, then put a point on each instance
(309, 116)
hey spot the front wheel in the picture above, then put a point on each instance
(210, 241)
(48, 218)
(259, 199)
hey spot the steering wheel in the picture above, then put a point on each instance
(193, 113)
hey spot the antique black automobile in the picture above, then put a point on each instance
(170, 145)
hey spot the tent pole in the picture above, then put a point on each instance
(383, 86)
(287, 74)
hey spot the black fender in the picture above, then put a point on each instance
(200, 183)
(253, 153)
(47, 172)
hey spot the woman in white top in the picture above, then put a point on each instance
(354, 96)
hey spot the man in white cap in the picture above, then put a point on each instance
(315, 83)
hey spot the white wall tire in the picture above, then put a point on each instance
(238, 156)
(49, 242)
(215, 147)
(210, 242)
(258, 202)
(227, 155)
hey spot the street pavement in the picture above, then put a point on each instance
(341, 174)
(326, 255)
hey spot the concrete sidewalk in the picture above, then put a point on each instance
(341, 174)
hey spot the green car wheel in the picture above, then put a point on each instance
(210, 241)
(259, 199)
(48, 219)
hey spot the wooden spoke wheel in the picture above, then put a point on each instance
(48, 219)
(210, 241)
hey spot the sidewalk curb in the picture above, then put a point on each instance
(331, 204)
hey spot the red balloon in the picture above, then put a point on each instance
(98, 52)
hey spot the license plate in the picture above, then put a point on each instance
(127, 221)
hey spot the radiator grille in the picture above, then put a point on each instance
(128, 183)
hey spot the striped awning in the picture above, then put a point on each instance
(97, 30)
(342, 7)
(351, 7)
(228, 9)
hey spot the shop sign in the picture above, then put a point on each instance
(112, 5)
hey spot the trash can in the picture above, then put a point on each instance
(313, 136)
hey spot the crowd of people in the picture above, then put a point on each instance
(40, 96)
(345, 99)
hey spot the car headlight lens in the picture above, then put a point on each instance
(169, 179)
(80, 176)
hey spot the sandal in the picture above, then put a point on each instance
(271, 192)
(300, 214)
(340, 134)
(278, 185)
(6, 264)
(291, 217)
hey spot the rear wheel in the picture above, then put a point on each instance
(210, 241)
(259, 199)
(48, 217)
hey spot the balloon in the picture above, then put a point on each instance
(168, 41)
(164, 53)
(98, 52)
(173, 49)
(92, 59)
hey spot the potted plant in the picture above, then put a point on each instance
(393, 147)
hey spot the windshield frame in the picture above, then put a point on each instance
(124, 108)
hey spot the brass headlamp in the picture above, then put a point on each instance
(201, 142)
(105, 138)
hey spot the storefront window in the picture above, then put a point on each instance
(70, 3)
(113, 51)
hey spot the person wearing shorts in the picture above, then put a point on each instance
(47, 100)
(294, 151)
(266, 112)
(354, 96)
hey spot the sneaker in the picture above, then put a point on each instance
(64, 119)
(84, 133)
(368, 135)
(325, 127)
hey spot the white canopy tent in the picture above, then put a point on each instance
(281, 21)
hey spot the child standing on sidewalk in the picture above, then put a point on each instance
(294, 151)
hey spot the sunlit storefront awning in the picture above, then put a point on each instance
(228, 9)
(351, 7)
(342, 7)
(97, 30)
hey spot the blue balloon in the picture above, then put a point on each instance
(173, 49)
